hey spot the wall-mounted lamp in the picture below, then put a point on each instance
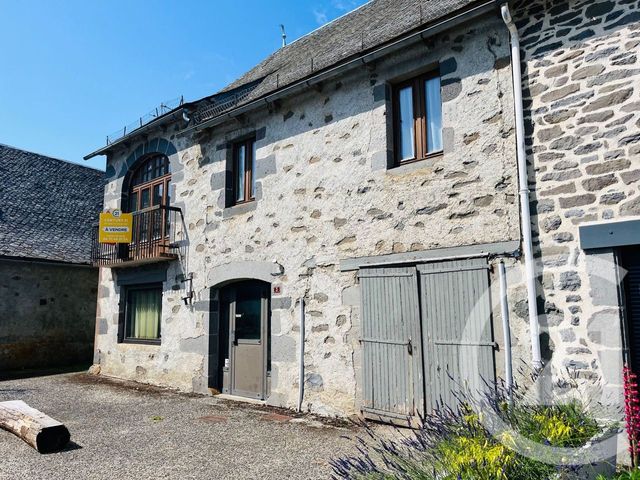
(187, 279)
(279, 268)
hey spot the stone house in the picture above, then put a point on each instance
(48, 287)
(332, 230)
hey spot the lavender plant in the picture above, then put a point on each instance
(455, 443)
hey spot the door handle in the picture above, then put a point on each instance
(410, 346)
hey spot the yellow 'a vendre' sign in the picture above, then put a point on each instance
(115, 227)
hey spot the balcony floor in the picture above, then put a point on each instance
(136, 262)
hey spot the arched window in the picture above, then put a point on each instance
(149, 185)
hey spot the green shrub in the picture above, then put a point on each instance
(567, 425)
(630, 475)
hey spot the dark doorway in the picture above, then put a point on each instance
(630, 261)
(239, 343)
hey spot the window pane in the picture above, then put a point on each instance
(239, 173)
(145, 199)
(143, 219)
(253, 169)
(248, 314)
(148, 171)
(156, 223)
(158, 194)
(133, 202)
(152, 168)
(167, 215)
(406, 133)
(434, 115)
(156, 215)
(143, 315)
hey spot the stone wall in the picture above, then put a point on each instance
(48, 315)
(325, 193)
(582, 100)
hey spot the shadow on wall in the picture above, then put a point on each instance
(38, 372)
(48, 315)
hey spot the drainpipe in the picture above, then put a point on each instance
(525, 213)
(508, 362)
(301, 359)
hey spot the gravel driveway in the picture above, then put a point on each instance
(122, 432)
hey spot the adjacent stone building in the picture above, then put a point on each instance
(328, 231)
(581, 102)
(48, 288)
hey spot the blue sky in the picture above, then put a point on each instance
(74, 71)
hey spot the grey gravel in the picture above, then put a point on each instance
(121, 432)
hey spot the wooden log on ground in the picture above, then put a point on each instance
(43, 433)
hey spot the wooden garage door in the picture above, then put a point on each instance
(457, 329)
(391, 345)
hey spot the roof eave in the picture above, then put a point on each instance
(461, 16)
(433, 29)
(138, 131)
(44, 260)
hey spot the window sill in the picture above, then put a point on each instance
(416, 160)
(135, 341)
(245, 202)
(415, 165)
(239, 209)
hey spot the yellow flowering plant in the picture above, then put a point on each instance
(455, 444)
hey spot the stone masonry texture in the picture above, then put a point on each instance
(582, 101)
(48, 315)
(47, 288)
(325, 194)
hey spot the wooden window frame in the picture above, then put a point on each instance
(137, 186)
(419, 118)
(248, 145)
(126, 314)
(138, 189)
(159, 165)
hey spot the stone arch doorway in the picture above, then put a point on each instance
(239, 340)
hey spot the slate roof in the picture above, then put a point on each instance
(374, 24)
(47, 207)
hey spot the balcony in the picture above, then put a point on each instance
(153, 240)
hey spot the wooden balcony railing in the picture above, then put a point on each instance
(153, 240)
